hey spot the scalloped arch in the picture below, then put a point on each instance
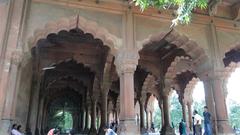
(69, 23)
(230, 69)
(179, 65)
(232, 46)
(181, 41)
(149, 86)
(63, 77)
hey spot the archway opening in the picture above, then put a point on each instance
(232, 68)
(198, 97)
(176, 113)
(233, 99)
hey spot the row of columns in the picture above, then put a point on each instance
(215, 100)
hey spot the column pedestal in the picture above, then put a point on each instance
(128, 127)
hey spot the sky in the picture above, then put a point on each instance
(234, 87)
(198, 92)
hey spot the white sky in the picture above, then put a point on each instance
(198, 92)
(234, 87)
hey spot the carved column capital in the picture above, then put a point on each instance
(126, 61)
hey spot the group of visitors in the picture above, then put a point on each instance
(197, 123)
(16, 130)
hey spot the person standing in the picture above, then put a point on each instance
(14, 129)
(207, 122)
(182, 128)
(109, 131)
(197, 123)
(19, 132)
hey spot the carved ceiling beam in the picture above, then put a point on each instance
(212, 7)
(236, 11)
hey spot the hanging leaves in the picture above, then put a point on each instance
(184, 7)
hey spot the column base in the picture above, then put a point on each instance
(92, 131)
(5, 127)
(143, 130)
(101, 131)
(167, 130)
(86, 131)
(128, 127)
(224, 128)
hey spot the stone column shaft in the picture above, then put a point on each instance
(86, 118)
(126, 65)
(8, 114)
(104, 110)
(209, 98)
(166, 129)
(141, 115)
(166, 111)
(190, 116)
(184, 112)
(220, 106)
(93, 129)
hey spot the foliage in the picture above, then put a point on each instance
(62, 120)
(234, 114)
(175, 111)
(199, 107)
(158, 119)
(184, 7)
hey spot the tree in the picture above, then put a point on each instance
(234, 114)
(199, 106)
(184, 7)
(158, 119)
(176, 110)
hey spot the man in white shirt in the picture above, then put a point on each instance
(109, 131)
(14, 130)
(197, 119)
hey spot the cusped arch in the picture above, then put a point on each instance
(68, 23)
(74, 78)
(188, 91)
(191, 48)
(231, 59)
(149, 86)
(178, 66)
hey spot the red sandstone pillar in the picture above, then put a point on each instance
(93, 130)
(8, 114)
(220, 106)
(126, 62)
(142, 116)
(161, 109)
(166, 129)
(86, 128)
(104, 112)
(210, 102)
(189, 105)
(184, 112)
